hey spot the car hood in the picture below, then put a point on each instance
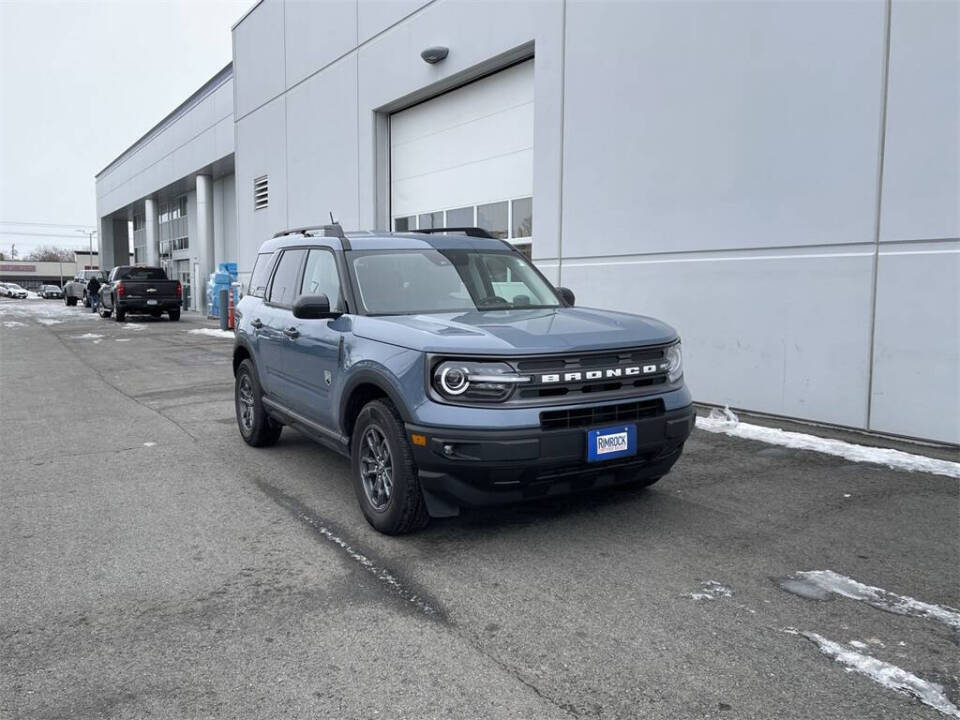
(517, 332)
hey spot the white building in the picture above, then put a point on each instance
(778, 180)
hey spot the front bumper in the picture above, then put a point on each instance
(489, 467)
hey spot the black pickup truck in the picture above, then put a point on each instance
(140, 289)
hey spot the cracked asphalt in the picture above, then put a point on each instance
(153, 565)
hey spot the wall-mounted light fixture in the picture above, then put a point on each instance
(433, 55)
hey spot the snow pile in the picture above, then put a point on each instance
(884, 673)
(879, 598)
(212, 332)
(13, 324)
(131, 326)
(726, 422)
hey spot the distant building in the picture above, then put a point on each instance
(31, 275)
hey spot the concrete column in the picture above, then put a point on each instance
(152, 232)
(204, 237)
(114, 242)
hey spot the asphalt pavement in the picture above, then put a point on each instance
(153, 565)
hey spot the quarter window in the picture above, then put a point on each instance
(283, 290)
(260, 275)
(320, 276)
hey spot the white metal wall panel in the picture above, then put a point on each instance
(921, 164)
(470, 146)
(916, 358)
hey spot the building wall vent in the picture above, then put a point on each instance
(260, 193)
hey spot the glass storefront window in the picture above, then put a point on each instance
(431, 220)
(493, 218)
(522, 218)
(460, 217)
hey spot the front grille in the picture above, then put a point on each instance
(618, 372)
(592, 416)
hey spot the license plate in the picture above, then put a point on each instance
(151, 302)
(611, 442)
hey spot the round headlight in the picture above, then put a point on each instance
(453, 380)
(674, 359)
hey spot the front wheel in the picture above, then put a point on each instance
(385, 475)
(174, 314)
(256, 428)
(103, 313)
(71, 301)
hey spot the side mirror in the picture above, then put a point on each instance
(566, 294)
(313, 307)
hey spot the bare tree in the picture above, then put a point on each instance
(50, 253)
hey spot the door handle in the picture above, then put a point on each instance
(256, 323)
(292, 333)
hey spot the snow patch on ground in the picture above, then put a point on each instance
(831, 582)
(212, 332)
(130, 326)
(48, 321)
(88, 336)
(710, 590)
(883, 673)
(13, 324)
(726, 422)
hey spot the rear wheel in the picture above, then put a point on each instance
(256, 427)
(119, 314)
(86, 300)
(104, 313)
(174, 314)
(385, 475)
(70, 301)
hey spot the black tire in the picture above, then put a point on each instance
(86, 300)
(103, 313)
(71, 301)
(119, 314)
(257, 429)
(402, 509)
(174, 314)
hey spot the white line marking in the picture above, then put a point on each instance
(879, 598)
(883, 673)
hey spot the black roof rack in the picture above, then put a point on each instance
(332, 230)
(470, 231)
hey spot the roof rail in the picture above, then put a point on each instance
(332, 230)
(470, 231)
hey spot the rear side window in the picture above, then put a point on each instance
(283, 289)
(260, 275)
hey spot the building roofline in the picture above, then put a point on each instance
(225, 74)
(245, 15)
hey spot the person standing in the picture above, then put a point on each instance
(93, 292)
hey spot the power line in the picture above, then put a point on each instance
(15, 233)
(77, 225)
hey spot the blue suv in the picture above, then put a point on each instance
(451, 372)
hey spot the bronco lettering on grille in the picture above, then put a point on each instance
(608, 373)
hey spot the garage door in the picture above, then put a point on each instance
(466, 158)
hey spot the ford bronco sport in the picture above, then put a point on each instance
(451, 372)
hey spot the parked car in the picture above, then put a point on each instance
(451, 372)
(12, 290)
(50, 291)
(3, 290)
(76, 289)
(140, 289)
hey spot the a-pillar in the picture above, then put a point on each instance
(152, 232)
(204, 237)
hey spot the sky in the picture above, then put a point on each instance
(81, 81)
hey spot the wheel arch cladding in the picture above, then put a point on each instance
(363, 388)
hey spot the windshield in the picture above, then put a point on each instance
(402, 282)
